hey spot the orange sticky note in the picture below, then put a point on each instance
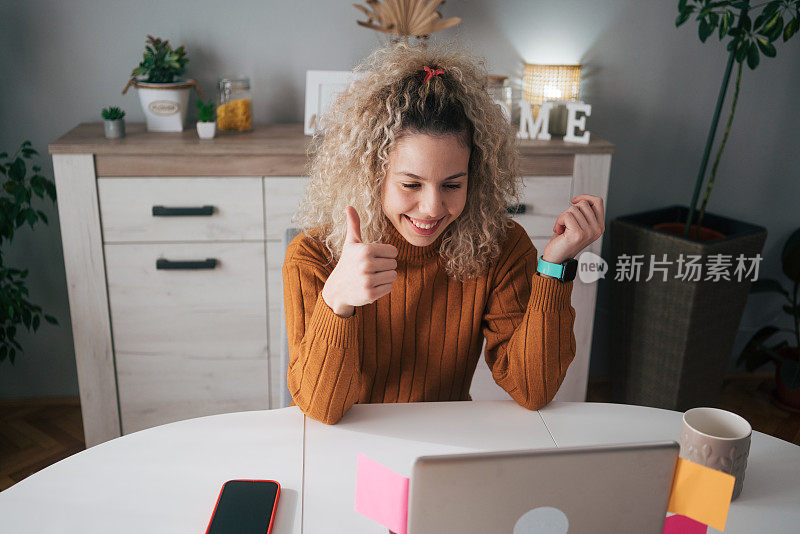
(701, 493)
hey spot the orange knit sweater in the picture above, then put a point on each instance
(422, 341)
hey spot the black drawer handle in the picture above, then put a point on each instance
(210, 263)
(163, 211)
(518, 208)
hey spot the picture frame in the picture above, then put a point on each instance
(322, 87)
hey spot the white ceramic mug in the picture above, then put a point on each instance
(717, 439)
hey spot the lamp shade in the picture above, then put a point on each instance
(551, 82)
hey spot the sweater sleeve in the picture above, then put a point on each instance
(324, 358)
(528, 325)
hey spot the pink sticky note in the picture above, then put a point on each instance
(381, 494)
(680, 524)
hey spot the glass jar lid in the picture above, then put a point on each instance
(234, 83)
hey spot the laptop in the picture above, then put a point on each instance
(575, 490)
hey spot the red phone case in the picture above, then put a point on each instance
(274, 506)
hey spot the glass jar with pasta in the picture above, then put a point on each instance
(234, 113)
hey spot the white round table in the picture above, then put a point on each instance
(167, 479)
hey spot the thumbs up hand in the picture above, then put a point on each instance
(353, 226)
(364, 274)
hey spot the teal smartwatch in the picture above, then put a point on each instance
(564, 271)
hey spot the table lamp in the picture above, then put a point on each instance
(559, 83)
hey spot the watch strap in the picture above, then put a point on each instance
(550, 269)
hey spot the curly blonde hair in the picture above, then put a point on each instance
(387, 100)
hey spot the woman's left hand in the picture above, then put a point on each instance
(577, 227)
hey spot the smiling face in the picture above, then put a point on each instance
(426, 185)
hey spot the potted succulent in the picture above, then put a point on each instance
(113, 122)
(672, 339)
(206, 127)
(162, 94)
(784, 354)
(19, 187)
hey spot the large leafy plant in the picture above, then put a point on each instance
(757, 352)
(160, 63)
(19, 187)
(748, 40)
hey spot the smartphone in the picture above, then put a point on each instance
(245, 507)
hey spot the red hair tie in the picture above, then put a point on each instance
(431, 73)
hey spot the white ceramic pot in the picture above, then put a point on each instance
(164, 104)
(206, 130)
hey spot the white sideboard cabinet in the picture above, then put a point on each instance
(173, 248)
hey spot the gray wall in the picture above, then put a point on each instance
(652, 88)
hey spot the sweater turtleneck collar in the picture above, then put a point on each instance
(407, 251)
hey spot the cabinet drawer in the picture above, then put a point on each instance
(544, 198)
(144, 209)
(282, 197)
(188, 342)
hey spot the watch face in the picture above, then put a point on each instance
(570, 269)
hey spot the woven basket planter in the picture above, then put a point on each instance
(672, 340)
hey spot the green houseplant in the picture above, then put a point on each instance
(672, 339)
(162, 93)
(749, 39)
(206, 127)
(113, 122)
(112, 113)
(19, 187)
(160, 63)
(784, 354)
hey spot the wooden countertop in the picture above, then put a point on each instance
(264, 140)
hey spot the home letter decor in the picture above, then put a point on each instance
(528, 128)
(572, 122)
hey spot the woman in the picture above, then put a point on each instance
(409, 259)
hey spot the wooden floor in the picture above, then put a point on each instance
(35, 433)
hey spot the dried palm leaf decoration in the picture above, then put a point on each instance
(405, 18)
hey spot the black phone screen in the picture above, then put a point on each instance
(245, 507)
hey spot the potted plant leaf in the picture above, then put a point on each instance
(672, 340)
(19, 187)
(785, 354)
(162, 93)
(113, 122)
(206, 127)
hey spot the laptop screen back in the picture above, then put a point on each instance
(611, 488)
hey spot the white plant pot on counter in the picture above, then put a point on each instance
(164, 104)
(206, 130)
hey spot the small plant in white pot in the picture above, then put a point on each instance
(162, 94)
(206, 127)
(113, 122)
